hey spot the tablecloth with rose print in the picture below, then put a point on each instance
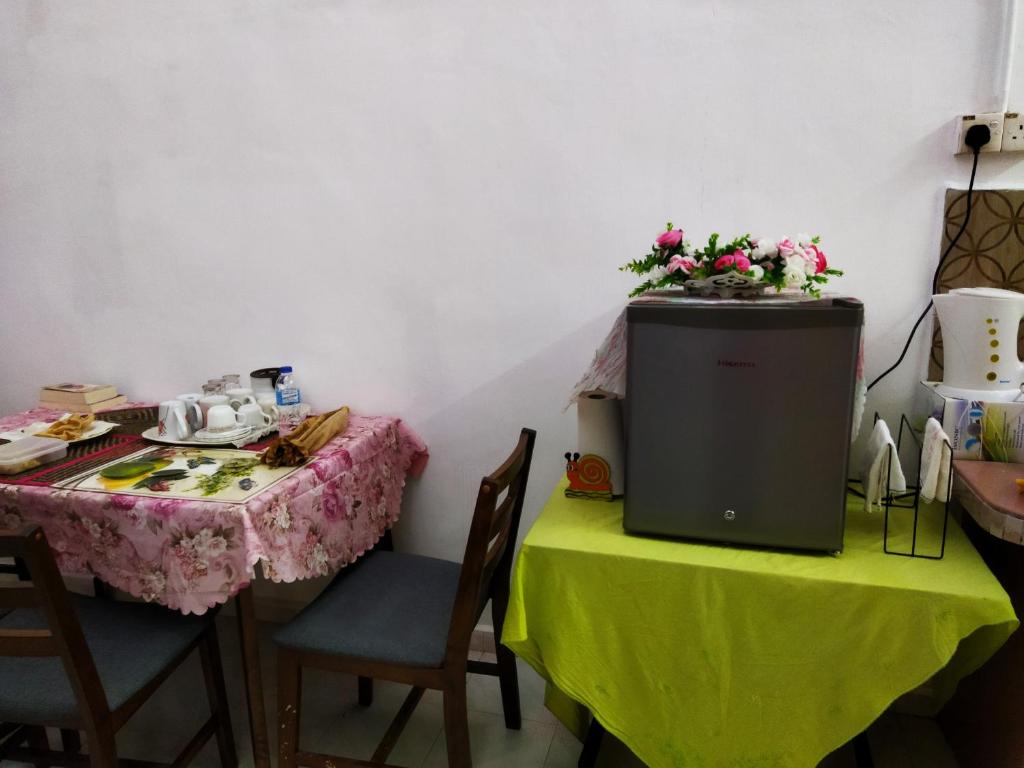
(193, 554)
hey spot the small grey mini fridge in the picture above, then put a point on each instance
(738, 419)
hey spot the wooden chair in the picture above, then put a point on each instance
(409, 619)
(83, 664)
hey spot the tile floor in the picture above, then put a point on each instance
(334, 722)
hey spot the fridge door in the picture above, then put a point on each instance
(738, 421)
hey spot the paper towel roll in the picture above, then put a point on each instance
(599, 430)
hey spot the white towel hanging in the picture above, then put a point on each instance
(935, 463)
(876, 459)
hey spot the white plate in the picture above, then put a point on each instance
(222, 439)
(206, 436)
(96, 429)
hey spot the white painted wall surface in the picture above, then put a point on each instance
(422, 206)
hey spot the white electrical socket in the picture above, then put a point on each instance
(994, 121)
(1013, 132)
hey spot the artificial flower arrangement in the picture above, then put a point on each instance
(747, 264)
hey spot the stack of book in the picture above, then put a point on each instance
(80, 398)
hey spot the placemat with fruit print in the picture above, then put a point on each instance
(182, 472)
(194, 553)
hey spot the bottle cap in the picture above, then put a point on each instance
(286, 369)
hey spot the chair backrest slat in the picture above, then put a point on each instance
(18, 594)
(28, 642)
(61, 634)
(491, 543)
(501, 514)
(494, 553)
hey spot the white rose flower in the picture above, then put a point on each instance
(756, 272)
(802, 261)
(657, 273)
(803, 238)
(794, 276)
(765, 248)
(688, 249)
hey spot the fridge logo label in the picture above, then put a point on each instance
(736, 364)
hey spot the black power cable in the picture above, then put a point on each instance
(977, 136)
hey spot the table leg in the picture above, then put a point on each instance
(862, 750)
(591, 745)
(249, 635)
(100, 589)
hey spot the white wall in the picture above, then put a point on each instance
(422, 206)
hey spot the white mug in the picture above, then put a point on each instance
(172, 422)
(262, 381)
(269, 405)
(193, 413)
(223, 418)
(254, 415)
(206, 402)
(239, 396)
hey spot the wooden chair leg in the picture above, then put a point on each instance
(507, 675)
(70, 741)
(102, 748)
(365, 691)
(509, 681)
(213, 674)
(35, 736)
(289, 700)
(456, 725)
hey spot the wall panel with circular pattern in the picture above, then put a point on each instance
(990, 252)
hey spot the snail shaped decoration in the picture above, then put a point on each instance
(590, 477)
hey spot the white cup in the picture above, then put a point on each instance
(223, 418)
(269, 405)
(239, 396)
(172, 422)
(193, 413)
(262, 381)
(254, 415)
(206, 402)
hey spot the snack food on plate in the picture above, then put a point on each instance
(71, 427)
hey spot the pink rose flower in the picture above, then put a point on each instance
(742, 263)
(122, 502)
(724, 261)
(819, 258)
(684, 264)
(669, 239)
(786, 247)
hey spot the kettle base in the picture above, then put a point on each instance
(984, 395)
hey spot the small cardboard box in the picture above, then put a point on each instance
(978, 430)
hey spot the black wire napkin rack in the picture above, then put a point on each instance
(910, 499)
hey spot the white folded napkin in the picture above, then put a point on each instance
(935, 463)
(872, 472)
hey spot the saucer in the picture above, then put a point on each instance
(206, 436)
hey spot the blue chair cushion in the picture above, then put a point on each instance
(130, 644)
(388, 607)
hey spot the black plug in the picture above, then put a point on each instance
(977, 136)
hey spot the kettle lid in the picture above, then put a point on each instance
(988, 293)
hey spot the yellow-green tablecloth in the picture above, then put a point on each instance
(708, 655)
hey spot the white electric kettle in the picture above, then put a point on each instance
(979, 341)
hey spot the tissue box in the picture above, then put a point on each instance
(979, 430)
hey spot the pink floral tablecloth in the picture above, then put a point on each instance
(191, 555)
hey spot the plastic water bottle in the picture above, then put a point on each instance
(288, 398)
